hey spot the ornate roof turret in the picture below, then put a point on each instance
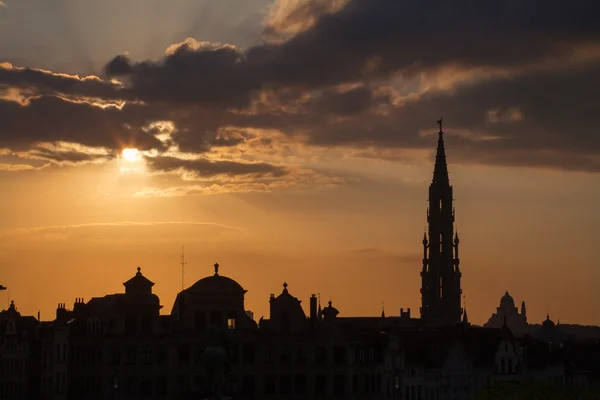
(139, 284)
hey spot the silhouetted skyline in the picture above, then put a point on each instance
(293, 140)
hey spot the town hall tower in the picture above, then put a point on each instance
(440, 289)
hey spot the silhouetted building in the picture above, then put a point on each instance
(440, 289)
(120, 347)
(507, 311)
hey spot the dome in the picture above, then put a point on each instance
(217, 284)
(507, 302)
(548, 323)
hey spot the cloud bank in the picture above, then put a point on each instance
(515, 81)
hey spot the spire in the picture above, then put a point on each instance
(440, 171)
(382, 310)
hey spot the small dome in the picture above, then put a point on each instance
(217, 284)
(507, 302)
(548, 323)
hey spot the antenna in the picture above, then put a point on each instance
(183, 262)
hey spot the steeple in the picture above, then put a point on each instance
(440, 274)
(440, 171)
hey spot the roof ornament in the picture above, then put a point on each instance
(139, 271)
(285, 285)
(439, 122)
(216, 269)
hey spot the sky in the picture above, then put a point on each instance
(293, 141)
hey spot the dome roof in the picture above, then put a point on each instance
(548, 323)
(507, 302)
(216, 284)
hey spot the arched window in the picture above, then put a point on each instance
(502, 366)
(510, 366)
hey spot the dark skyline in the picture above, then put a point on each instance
(294, 139)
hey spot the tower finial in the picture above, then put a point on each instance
(382, 310)
(440, 172)
(216, 268)
(439, 122)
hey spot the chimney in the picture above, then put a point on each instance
(313, 307)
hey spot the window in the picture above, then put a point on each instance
(198, 355)
(321, 385)
(321, 355)
(339, 355)
(161, 354)
(248, 353)
(131, 355)
(146, 356)
(146, 388)
(231, 323)
(300, 384)
(115, 355)
(339, 385)
(130, 326)
(300, 356)
(147, 325)
(285, 384)
(285, 357)
(183, 354)
(285, 323)
(269, 384)
(161, 385)
(268, 356)
(248, 385)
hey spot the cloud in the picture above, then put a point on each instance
(68, 154)
(47, 82)
(537, 117)
(16, 167)
(101, 230)
(205, 168)
(53, 119)
(192, 72)
(118, 224)
(514, 80)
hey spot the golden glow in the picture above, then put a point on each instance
(131, 155)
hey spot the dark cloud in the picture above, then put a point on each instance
(370, 38)
(46, 82)
(194, 73)
(60, 156)
(534, 118)
(537, 116)
(205, 168)
(119, 66)
(52, 119)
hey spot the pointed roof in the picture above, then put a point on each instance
(440, 171)
(139, 279)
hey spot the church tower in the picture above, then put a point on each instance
(440, 276)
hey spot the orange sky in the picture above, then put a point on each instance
(285, 164)
(526, 231)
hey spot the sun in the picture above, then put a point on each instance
(131, 155)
